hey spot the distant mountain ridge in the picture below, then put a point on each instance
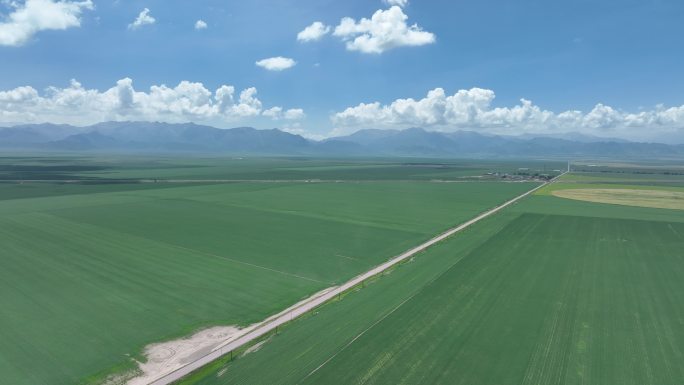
(193, 138)
(418, 142)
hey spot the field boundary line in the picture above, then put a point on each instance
(247, 264)
(270, 324)
(360, 335)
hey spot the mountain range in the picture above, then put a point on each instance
(152, 137)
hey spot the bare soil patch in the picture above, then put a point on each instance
(168, 356)
(662, 199)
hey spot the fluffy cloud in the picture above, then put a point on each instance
(472, 110)
(400, 3)
(188, 101)
(278, 63)
(294, 114)
(144, 18)
(385, 30)
(277, 113)
(274, 113)
(314, 32)
(201, 24)
(33, 16)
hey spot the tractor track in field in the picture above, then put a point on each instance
(258, 330)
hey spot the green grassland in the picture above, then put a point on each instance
(92, 273)
(607, 176)
(10, 190)
(671, 175)
(135, 167)
(550, 291)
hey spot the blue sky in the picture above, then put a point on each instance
(561, 56)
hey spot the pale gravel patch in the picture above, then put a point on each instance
(256, 347)
(121, 378)
(168, 356)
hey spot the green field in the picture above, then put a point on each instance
(551, 291)
(94, 272)
(141, 250)
(132, 168)
(652, 176)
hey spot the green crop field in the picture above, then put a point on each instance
(665, 175)
(550, 291)
(133, 168)
(93, 272)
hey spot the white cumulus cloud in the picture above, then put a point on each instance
(201, 24)
(278, 63)
(400, 3)
(314, 32)
(385, 30)
(187, 101)
(277, 113)
(274, 113)
(294, 114)
(144, 18)
(32, 16)
(472, 110)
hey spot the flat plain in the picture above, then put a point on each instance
(551, 291)
(627, 197)
(94, 270)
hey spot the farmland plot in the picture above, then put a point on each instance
(552, 299)
(89, 279)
